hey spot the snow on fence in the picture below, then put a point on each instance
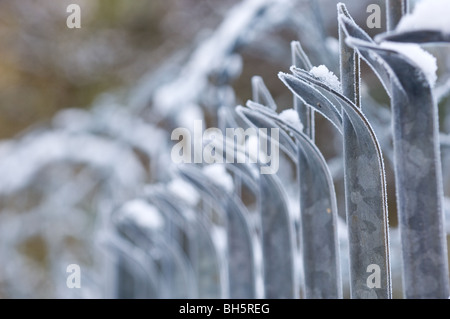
(236, 224)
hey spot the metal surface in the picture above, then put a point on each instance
(418, 176)
(240, 234)
(367, 217)
(318, 215)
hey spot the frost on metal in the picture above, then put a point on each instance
(291, 116)
(326, 76)
(421, 58)
(419, 196)
(426, 23)
(368, 205)
(223, 230)
(427, 15)
(277, 225)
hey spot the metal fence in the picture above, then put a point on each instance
(277, 235)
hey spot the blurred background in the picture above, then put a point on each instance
(46, 67)
(122, 54)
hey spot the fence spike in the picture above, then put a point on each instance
(277, 225)
(318, 216)
(419, 191)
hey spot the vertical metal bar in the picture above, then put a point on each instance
(277, 224)
(360, 189)
(318, 215)
(395, 9)
(365, 196)
(349, 64)
(240, 234)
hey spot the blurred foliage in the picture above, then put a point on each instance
(45, 66)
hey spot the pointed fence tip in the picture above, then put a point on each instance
(287, 79)
(295, 43)
(344, 20)
(342, 10)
